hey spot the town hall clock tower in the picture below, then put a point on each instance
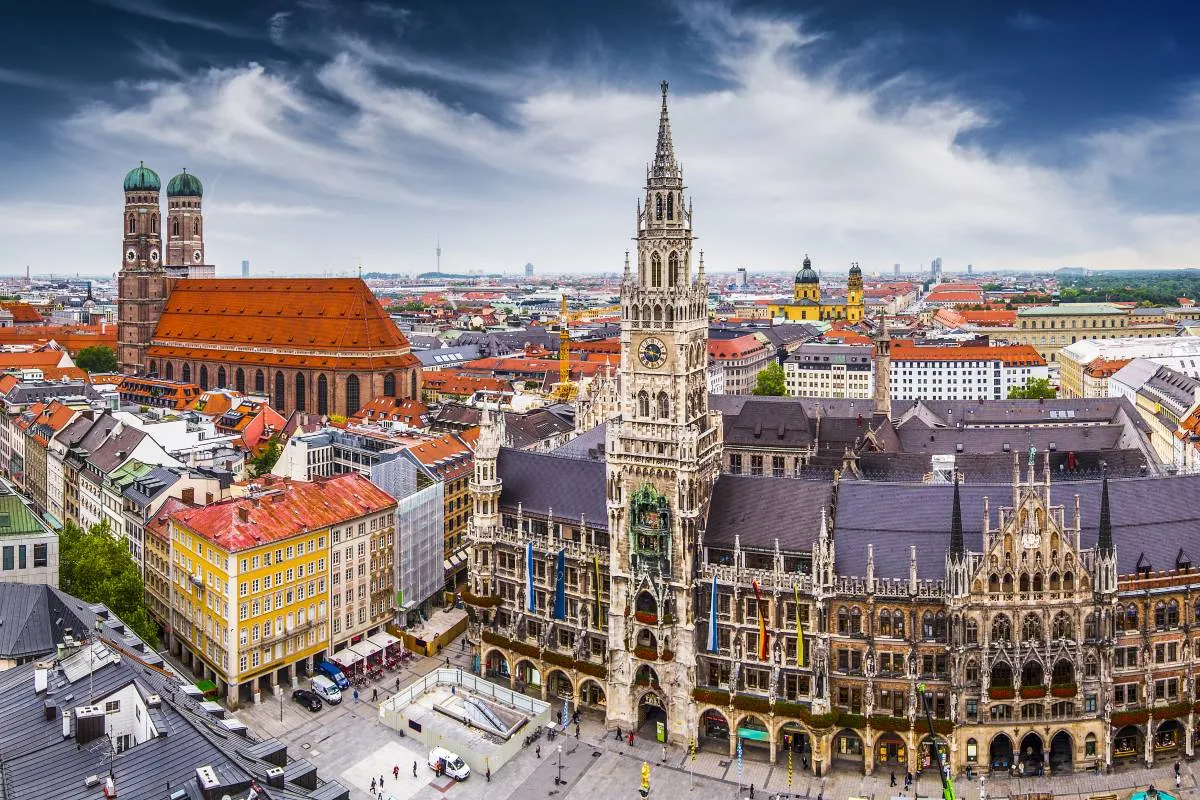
(663, 458)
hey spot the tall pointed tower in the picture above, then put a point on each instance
(663, 456)
(141, 283)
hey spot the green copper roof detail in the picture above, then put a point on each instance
(141, 179)
(185, 184)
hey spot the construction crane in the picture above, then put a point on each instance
(564, 391)
(943, 772)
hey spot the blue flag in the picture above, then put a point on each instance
(712, 619)
(560, 586)
(529, 596)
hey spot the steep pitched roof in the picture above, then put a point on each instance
(328, 317)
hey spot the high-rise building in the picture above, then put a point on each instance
(528, 270)
(897, 268)
(743, 278)
(970, 269)
(935, 267)
(245, 268)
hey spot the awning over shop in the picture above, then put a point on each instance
(346, 658)
(383, 640)
(366, 648)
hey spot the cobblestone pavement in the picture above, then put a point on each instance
(348, 744)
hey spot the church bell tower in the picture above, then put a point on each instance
(141, 282)
(663, 457)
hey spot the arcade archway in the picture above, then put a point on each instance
(1033, 757)
(591, 694)
(848, 748)
(891, 751)
(1127, 743)
(794, 739)
(755, 738)
(1000, 752)
(714, 732)
(652, 712)
(1062, 752)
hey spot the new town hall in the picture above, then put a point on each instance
(1051, 621)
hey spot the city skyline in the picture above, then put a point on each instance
(332, 135)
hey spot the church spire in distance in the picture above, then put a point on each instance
(665, 165)
(957, 546)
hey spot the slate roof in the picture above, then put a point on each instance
(545, 482)
(766, 422)
(589, 444)
(759, 510)
(1154, 517)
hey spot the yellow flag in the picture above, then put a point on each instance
(799, 628)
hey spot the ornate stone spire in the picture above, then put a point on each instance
(957, 547)
(665, 165)
(1106, 541)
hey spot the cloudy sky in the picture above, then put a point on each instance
(334, 132)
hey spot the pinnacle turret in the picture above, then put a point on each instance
(1105, 542)
(957, 547)
(665, 165)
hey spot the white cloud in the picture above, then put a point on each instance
(782, 159)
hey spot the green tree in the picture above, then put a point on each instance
(96, 567)
(264, 462)
(1034, 389)
(97, 358)
(770, 381)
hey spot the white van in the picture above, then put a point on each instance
(449, 762)
(326, 688)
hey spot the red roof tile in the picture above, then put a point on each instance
(740, 347)
(1011, 355)
(246, 522)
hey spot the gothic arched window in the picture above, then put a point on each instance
(175, 227)
(1031, 628)
(673, 269)
(972, 628)
(203, 378)
(855, 620)
(898, 623)
(300, 393)
(664, 405)
(260, 382)
(132, 224)
(1063, 628)
(655, 270)
(1068, 582)
(1001, 629)
(658, 207)
(351, 394)
(412, 379)
(221, 377)
(187, 373)
(322, 395)
(154, 223)
(239, 380)
(279, 393)
(389, 385)
(843, 621)
(643, 401)
(195, 227)
(885, 623)
(670, 206)
(170, 371)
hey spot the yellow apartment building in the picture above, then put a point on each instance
(250, 580)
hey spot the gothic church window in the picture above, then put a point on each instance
(322, 395)
(132, 224)
(170, 371)
(279, 391)
(221, 377)
(1001, 629)
(154, 223)
(655, 271)
(389, 385)
(195, 227)
(175, 227)
(643, 404)
(351, 394)
(673, 269)
(203, 380)
(187, 373)
(1031, 628)
(670, 206)
(260, 385)
(664, 405)
(1062, 626)
(658, 207)
(412, 380)
(300, 393)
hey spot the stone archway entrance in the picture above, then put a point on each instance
(794, 739)
(1168, 736)
(1033, 758)
(1127, 743)
(1061, 752)
(652, 710)
(591, 694)
(848, 749)
(714, 732)
(891, 751)
(1000, 753)
(755, 739)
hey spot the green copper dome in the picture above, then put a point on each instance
(141, 179)
(185, 184)
(807, 274)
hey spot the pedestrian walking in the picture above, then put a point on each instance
(631, 738)
(576, 729)
(356, 695)
(375, 695)
(447, 662)
(397, 684)
(1178, 782)
(752, 791)
(893, 779)
(489, 773)
(396, 772)
(414, 769)
(664, 755)
(538, 750)
(380, 781)
(372, 786)
(618, 733)
(462, 645)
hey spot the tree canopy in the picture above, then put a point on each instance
(1034, 389)
(96, 567)
(770, 381)
(97, 358)
(264, 462)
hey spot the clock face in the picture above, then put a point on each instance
(130, 254)
(652, 353)
(196, 256)
(154, 255)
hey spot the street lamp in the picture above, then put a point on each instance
(558, 781)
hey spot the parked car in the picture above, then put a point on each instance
(326, 688)
(333, 672)
(447, 763)
(307, 699)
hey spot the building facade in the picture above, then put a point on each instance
(1044, 628)
(962, 373)
(808, 304)
(1051, 328)
(830, 370)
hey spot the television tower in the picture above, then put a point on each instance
(439, 253)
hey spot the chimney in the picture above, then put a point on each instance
(208, 498)
(189, 496)
(243, 514)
